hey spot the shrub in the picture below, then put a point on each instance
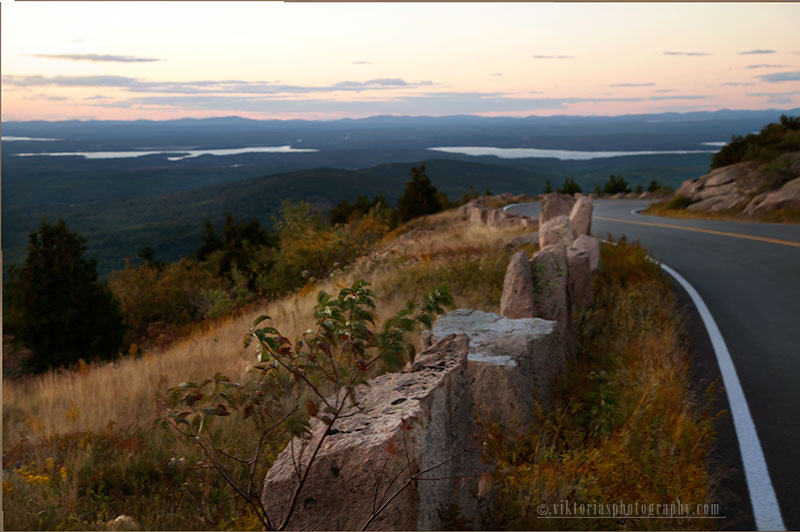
(773, 140)
(169, 296)
(295, 382)
(679, 202)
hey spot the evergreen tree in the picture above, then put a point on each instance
(548, 188)
(211, 242)
(570, 187)
(56, 306)
(420, 197)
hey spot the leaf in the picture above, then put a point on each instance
(260, 319)
(312, 408)
(484, 485)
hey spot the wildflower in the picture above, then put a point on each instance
(63, 473)
(72, 413)
(8, 487)
(50, 463)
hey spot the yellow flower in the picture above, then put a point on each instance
(63, 473)
(72, 413)
(8, 487)
(50, 463)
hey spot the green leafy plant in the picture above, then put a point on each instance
(314, 377)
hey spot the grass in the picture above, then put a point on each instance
(662, 208)
(625, 427)
(80, 448)
(96, 422)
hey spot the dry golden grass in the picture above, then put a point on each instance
(788, 216)
(124, 392)
(626, 427)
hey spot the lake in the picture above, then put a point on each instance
(178, 154)
(564, 155)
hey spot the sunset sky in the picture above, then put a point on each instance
(160, 60)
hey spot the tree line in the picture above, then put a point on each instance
(56, 307)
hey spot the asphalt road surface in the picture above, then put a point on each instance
(748, 275)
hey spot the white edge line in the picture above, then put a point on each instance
(511, 205)
(766, 511)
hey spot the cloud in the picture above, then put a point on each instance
(206, 86)
(738, 84)
(48, 97)
(664, 90)
(361, 63)
(497, 74)
(97, 97)
(632, 85)
(97, 58)
(757, 52)
(776, 97)
(680, 97)
(691, 54)
(779, 77)
(553, 56)
(767, 66)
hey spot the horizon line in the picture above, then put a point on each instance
(372, 117)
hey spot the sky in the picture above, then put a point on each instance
(163, 60)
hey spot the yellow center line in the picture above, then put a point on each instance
(713, 232)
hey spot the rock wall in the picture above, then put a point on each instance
(477, 211)
(478, 368)
(741, 186)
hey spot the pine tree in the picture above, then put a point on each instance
(420, 197)
(55, 305)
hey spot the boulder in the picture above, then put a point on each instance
(524, 240)
(556, 230)
(463, 211)
(495, 217)
(512, 363)
(591, 245)
(549, 268)
(423, 416)
(478, 215)
(579, 287)
(722, 188)
(555, 205)
(517, 299)
(717, 203)
(786, 197)
(581, 216)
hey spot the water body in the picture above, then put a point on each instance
(177, 154)
(716, 143)
(564, 155)
(25, 138)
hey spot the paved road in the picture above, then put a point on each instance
(752, 289)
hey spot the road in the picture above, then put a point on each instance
(748, 275)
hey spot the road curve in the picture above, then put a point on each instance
(748, 275)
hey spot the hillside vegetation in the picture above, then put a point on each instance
(80, 447)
